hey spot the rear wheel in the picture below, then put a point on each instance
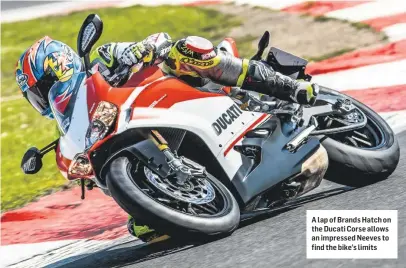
(365, 155)
(199, 206)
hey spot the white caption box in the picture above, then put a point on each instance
(352, 234)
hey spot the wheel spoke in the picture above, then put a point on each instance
(361, 135)
(191, 210)
(362, 141)
(207, 208)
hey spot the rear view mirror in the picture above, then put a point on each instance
(264, 41)
(32, 161)
(89, 33)
(262, 45)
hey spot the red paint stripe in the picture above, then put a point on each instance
(382, 22)
(243, 134)
(363, 57)
(386, 99)
(319, 8)
(62, 216)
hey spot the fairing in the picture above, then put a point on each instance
(69, 104)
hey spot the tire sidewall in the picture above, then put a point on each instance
(379, 162)
(138, 204)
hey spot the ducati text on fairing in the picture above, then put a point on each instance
(226, 119)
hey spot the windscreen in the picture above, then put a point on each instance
(62, 98)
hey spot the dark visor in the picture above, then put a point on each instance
(37, 95)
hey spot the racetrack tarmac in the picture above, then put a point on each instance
(8, 5)
(277, 240)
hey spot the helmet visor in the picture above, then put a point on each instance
(37, 95)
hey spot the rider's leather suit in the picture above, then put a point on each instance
(195, 60)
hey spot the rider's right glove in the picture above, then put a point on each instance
(136, 53)
(305, 93)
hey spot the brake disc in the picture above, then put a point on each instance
(195, 190)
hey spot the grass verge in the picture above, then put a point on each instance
(22, 127)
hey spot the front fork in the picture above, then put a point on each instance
(183, 167)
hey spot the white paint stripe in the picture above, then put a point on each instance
(396, 120)
(396, 32)
(273, 4)
(369, 10)
(55, 254)
(13, 254)
(378, 75)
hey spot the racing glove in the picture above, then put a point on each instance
(136, 53)
(263, 79)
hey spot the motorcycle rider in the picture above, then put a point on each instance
(193, 59)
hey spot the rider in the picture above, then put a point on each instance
(193, 59)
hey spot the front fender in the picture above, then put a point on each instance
(145, 151)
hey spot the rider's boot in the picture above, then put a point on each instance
(144, 233)
(263, 79)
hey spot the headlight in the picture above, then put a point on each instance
(80, 167)
(102, 120)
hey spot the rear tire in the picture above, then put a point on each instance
(163, 218)
(361, 166)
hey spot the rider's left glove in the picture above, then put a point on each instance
(135, 54)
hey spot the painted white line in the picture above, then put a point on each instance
(12, 254)
(273, 4)
(396, 120)
(372, 76)
(55, 254)
(369, 10)
(396, 32)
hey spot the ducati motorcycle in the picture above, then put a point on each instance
(183, 160)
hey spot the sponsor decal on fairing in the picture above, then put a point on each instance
(226, 119)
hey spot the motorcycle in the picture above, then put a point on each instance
(184, 160)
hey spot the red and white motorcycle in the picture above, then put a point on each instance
(180, 159)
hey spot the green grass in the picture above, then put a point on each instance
(22, 127)
(323, 19)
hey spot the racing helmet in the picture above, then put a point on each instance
(40, 66)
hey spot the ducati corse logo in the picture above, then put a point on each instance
(226, 119)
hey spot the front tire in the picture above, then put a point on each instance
(357, 166)
(126, 190)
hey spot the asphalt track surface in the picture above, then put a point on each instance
(8, 5)
(277, 240)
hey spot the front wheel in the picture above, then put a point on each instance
(199, 206)
(365, 155)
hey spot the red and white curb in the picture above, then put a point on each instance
(61, 228)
